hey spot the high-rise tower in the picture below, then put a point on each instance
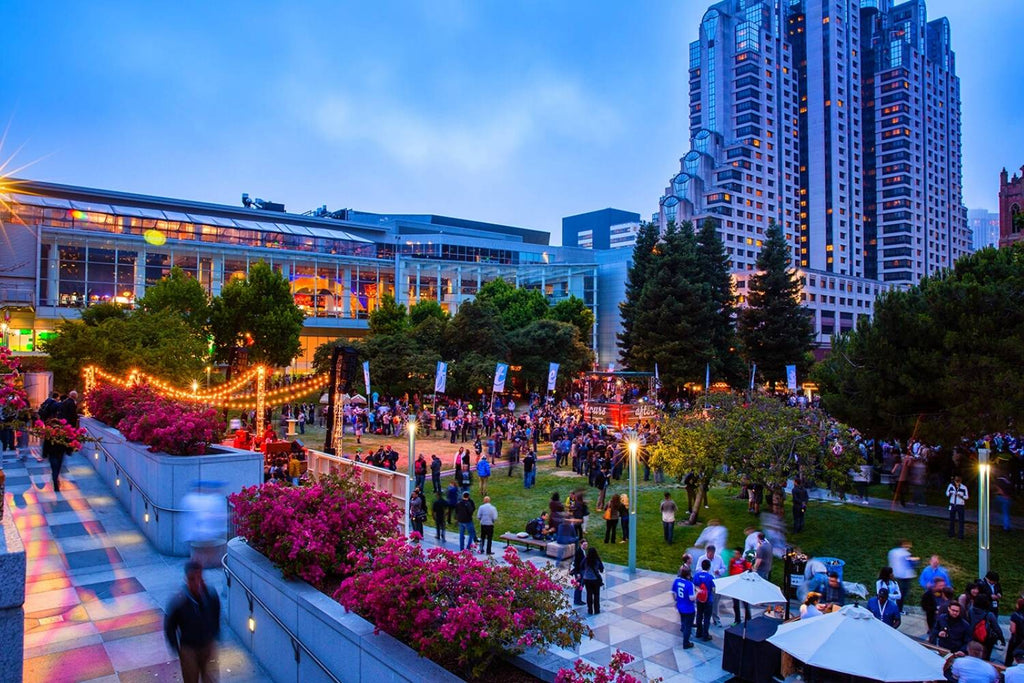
(840, 119)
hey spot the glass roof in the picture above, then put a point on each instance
(140, 212)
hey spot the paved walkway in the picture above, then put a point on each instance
(638, 616)
(96, 588)
(935, 511)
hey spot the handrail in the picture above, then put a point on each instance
(131, 482)
(296, 643)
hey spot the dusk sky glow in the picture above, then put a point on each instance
(517, 113)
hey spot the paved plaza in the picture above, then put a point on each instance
(96, 588)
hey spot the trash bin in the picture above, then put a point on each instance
(833, 564)
(793, 574)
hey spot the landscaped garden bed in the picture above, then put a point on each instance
(340, 536)
(156, 456)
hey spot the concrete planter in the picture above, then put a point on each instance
(151, 486)
(343, 642)
(12, 599)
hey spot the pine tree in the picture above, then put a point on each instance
(774, 328)
(713, 265)
(671, 323)
(644, 255)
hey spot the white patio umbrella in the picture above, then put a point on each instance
(358, 399)
(749, 587)
(852, 641)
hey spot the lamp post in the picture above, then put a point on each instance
(983, 510)
(633, 445)
(208, 369)
(411, 428)
(195, 388)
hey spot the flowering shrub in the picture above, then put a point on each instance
(164, 425)
(460, 611)
(615, 672)
(320, 533)
(110, 403)
(13, 399)
(171, 427)
(59, 433)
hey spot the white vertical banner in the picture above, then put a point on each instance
(441, 378)
(791, 377)
(500, 374)
(366, 377)
(552, 376)
(753, 374)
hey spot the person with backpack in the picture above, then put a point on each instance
(984, 625)
(592, 581)
(421, 472)
(686, 603)
(51, 409)
(611, 518)
(704, 583)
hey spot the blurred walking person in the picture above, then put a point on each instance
(192, 626)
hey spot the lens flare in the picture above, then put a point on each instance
(154, 237)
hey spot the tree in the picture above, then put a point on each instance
(940, 360)
(477, 328)
(774, 328)
(398, 364)
(95, 315)
(573, 310)
(260, 313)
(645, 252)
(180, 293)
(715, 273)
(768, 443)
(425, 309)
(160, 344)
(548, 341)
(517, 306)
(389, 318)
(690, 444)
(671, 325)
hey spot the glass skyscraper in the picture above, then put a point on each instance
(839, 120)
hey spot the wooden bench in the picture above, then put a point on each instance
(528, 542)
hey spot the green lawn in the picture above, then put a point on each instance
(862, 537)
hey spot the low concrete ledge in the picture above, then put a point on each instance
(12, 600)
(343, 642)
(154, 502)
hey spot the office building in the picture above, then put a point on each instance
(68, 247)
(829, 118)
(604, 229)
(984, 226)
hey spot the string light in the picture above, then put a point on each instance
(225, 396)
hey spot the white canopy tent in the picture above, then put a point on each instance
(852, 641)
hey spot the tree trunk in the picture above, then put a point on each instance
(698, 501)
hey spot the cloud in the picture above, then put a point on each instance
(482, 131)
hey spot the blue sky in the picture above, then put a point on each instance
(513, 112)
